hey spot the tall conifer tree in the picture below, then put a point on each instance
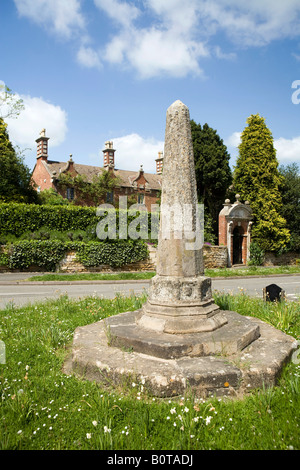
(257, 179)
(213, 173)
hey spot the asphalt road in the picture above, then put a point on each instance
(13, 289)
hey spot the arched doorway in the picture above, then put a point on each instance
(237, 246)
(235, 222)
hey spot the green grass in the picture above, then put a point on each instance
(93, 276)
(42, 408)
(252, 271)
(224, 272)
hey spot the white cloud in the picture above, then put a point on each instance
(174, 16)
(156, 38)
(61, 16)
(38, 114)
(252, 23)
(233, 140)
(288, 150)
(177, 38)
(88, 57)
(224, 55)
(155, 52)
(132, 151)
(119, 11)
(165, 47)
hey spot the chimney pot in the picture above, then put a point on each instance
(42, 145)
(159, 163)
(108, 155)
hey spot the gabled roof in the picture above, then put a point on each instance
(127, 178)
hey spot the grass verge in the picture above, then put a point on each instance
(42, 408)
(93, 276)
(224, 272)
(252, 271)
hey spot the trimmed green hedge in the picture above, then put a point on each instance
(23, 254)
(115, 254)
(46, 254)
(21, 218)
(18, 219)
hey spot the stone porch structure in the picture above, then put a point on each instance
(235, 222)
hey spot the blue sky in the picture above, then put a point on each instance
(95, 70)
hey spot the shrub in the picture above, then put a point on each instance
(42, 253)
(3, 259)
(46, 254)
(19, 219)
(116, 253)
(256, 255)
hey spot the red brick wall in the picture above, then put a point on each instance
(41, 176)
(222, 230)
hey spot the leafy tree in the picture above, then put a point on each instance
(15, 177)
(213, 173)
(290, 193)
(257, 179)
(94, 191)
(51, 197)
(10, 104)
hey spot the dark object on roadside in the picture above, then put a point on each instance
(273, 293)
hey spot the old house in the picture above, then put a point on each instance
(139, 186)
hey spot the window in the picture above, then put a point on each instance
(141, 198)
(110, 197)
(70, 194)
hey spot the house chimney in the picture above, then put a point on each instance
(108, 155)
(42, 145)
(159, 163)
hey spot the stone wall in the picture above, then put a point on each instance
(214, 257)
(282, 260)
(69, 264)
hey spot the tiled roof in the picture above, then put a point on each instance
(126, 177)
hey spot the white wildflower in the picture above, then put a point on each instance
(208, 419)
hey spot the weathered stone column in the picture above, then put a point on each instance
(180, 299)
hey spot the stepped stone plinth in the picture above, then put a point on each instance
(180, 339)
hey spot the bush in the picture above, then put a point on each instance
(42, 253)
(46, 254)
(19, 219)
(3, 259)
(116, 253)
(256, 255)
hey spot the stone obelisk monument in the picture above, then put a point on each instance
(180, 298)
(180, 339)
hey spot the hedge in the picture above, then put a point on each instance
(115, 254)
(18, 219)
(46, 254)
(21, 218)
